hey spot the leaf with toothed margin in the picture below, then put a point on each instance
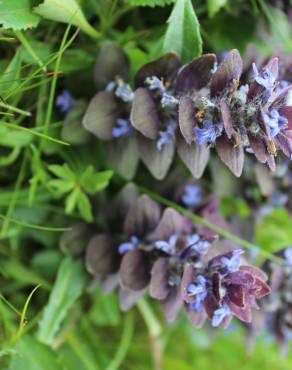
(157, 161)
(144, 115)
(232, 156)
(230, 69)
(17, 15)
(101, 115)
(186, 118)
(165, 68)
(101, 255)
(134, 270)
(196, 74)
(159, 287)
(194, 156)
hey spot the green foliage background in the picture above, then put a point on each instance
(47, 184)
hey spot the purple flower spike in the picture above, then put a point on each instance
(128, 246)
(192, 196)
(220, 314)
(209, 132)
(64, 101)
(275, 122)
(267, 80)
(233, 263)
(122, 128)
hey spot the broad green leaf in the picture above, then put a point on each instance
(67, 289)
(66, 11)
(17, 15)
(214, 6)
(33, 355)
(183, 32)
(275, 230)
(10, 78)
(150, 2)
(42, 50)
(14, 138)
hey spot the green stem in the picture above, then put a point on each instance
(124, 343)
(199, 220)
(154, 329)
(15, 109)
(30, 50)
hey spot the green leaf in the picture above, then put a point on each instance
(214, 6)
(64, 172)
(275, 230)
(150, 2)
(71, 200)
(16, 14)
(10, 79)
(84, 206)
(66, 11)
(183, 32)
(33, 355)
(67, 289)
(230, 205)
(14, 138)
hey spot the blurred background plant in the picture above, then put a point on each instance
(53, 175)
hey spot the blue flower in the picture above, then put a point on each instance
(275, 122)
(233, 262)
(124, 92)
(208, 133)
(200, 246)
(122, 128)
(220, 314)
(165, 137)
(167, 246)
(199, 291)
(288, 256)
(168, 100)
(192, 196)
(64, 101)
(267, 80)
(154, 83)
(129, 245)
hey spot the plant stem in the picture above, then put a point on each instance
(199, 220)
(124, 343)
(154, 329)
(30, 50)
